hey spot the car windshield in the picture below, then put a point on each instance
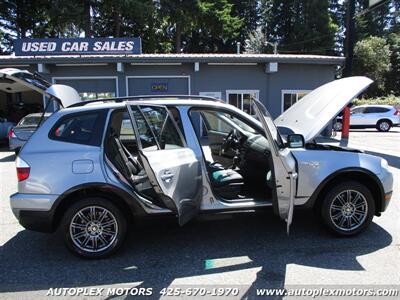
(30, 121)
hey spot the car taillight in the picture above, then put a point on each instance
(397, 113)
(11, 134)
(23, 169)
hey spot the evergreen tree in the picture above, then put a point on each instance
(300, 26)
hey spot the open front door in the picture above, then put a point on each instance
(172, 167)
(284, 167)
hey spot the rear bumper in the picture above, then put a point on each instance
(41, 221)
(33, 211)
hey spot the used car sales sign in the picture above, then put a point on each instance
(77, 46)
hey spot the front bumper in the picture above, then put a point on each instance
(34, 211)
(386, 178)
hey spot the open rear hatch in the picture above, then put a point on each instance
(16, 81)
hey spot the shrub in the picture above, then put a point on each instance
(388, 100)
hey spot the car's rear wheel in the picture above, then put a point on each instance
(348, 208)
(94, 228)
(383, 125)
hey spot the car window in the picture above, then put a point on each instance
(373, 110)
(76, 129)
(30, 121)
(221, 122)
(357, 110)
(214, 123)
(126, 132)
(157, 130)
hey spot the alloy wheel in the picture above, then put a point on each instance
(384, 126)
(337, 126)
(93, 229)
(348, 210)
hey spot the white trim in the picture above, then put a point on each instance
(53, 80)
(155, 76)
(291, 92)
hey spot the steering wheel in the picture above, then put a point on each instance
(231, 140)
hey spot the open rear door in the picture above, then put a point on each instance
(16, 81)
(172, 167)
(284, 167)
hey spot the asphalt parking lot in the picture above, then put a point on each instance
(249, 251)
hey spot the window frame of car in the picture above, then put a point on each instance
(176, 126)
(98, 131)
(259, 130)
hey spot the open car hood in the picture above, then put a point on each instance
(15, 81)
(310, 115)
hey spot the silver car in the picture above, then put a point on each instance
(19, 134)
(86, 171)
(381, 117)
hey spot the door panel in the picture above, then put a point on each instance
(357, 119)
(176, 176)
(284, 167)
(172, 167)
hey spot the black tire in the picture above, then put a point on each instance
(118, 220)
(383, 125)
(337, 126)
(329, 210)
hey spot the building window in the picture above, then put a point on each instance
(242, 99)
(290, 97)
(93, 95)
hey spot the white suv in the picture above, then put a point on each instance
(381, 117)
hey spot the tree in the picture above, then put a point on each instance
(372, 59)
(304, 26)
(256, 42)
(374, 22)
(200, 25)
(249, 12)
(393, 75)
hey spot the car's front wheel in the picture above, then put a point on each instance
(337, 126)
(94, 228)
(348, 208)
(383, 125)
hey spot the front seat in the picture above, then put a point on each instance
(226, 183)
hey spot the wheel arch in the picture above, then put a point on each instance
(385, 119)
(125, 201)
(364, 176)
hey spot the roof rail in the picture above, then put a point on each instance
(147, 97)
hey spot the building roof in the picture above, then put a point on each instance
(176, 58)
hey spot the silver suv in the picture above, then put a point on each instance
(93, 167)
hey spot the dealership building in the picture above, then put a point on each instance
(278, 80)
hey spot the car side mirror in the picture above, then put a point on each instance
(295, 141)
